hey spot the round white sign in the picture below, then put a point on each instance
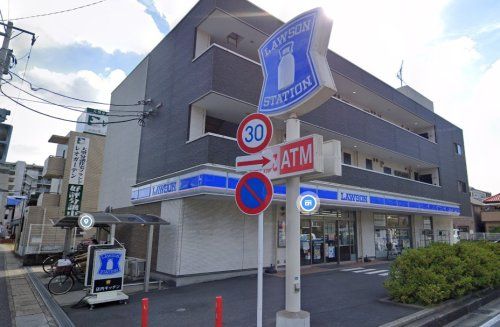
(254, 133)
(86, 221)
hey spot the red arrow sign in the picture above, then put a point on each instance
(252, 162)
(261, 162)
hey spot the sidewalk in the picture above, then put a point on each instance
(27, 309)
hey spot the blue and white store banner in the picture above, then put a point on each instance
(109, 268)
(216, 182)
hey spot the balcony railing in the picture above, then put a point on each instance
(53, 167)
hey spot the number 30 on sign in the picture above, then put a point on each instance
(254, 133)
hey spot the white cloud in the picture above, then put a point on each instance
(111, 25)
(31, 130)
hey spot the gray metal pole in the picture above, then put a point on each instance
(112, 234)
(5, 49)
(148, 259)
(292, 281)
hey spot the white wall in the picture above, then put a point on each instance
(366, 230)
(121, 153)
(211, 235)
(169, 238)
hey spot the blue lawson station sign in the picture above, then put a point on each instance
(296, 73)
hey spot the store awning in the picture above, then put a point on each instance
(104, 219)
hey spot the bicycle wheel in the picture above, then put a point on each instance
(49, 263)
(60, 284)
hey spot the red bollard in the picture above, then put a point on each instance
(145, 312)
(218, 311)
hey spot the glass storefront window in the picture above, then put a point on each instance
(394, 236)
(379, 220)
(392, 221)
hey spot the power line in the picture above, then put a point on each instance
(57, 12)
(34, 88)
(62, 119)
(45, 101)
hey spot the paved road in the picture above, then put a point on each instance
(5, 319)
(334, 298)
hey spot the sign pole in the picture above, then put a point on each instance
(260, 263)
(292, 303)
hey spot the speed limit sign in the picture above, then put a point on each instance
(254, 133)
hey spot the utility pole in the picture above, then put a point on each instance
(4, 52)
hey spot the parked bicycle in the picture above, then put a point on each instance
(50, 262)
(64, 278)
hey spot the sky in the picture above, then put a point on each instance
(450, 49)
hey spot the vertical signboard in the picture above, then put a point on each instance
(76, 176)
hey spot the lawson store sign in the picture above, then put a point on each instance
(216, 182)
(296, 73)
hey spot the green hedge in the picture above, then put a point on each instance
(441, 271)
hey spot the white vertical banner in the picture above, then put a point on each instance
(79, 160)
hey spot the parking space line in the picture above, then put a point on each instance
(362, 271)
(377, 272)
(351, 269)
(384, 274)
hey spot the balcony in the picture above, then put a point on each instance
(378, 181)
(53, 167)
(48, 200)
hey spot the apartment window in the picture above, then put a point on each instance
(462, 187)
(347, 158)
(458, 149)
(369, 164)
(388, 170)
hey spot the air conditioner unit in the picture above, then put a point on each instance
(135, 267)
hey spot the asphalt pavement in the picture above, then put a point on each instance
(5, 319)
(333, 297)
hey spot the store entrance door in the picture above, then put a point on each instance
(323, 240)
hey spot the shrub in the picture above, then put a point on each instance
(441, 271)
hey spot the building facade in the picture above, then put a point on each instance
(490, 214)
(404, 175)
(75, 173)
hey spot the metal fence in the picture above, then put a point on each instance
(480, 236)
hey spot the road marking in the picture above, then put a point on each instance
(362, 271)
(384, 274)
(377, 272)
(492, 321)
(351, 269)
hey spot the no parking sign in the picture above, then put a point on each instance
(254, 193)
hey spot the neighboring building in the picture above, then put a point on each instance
(476, 202)
(22, 181)
(404, 175)
(5, 134)
(490, 215)
(467, 226)
(75, 173)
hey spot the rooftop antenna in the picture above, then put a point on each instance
(400, 73)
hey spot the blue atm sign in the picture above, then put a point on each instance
(296, 74)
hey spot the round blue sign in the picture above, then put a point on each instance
(308, 202)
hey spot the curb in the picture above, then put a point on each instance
(448, 311)
(55, 310)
